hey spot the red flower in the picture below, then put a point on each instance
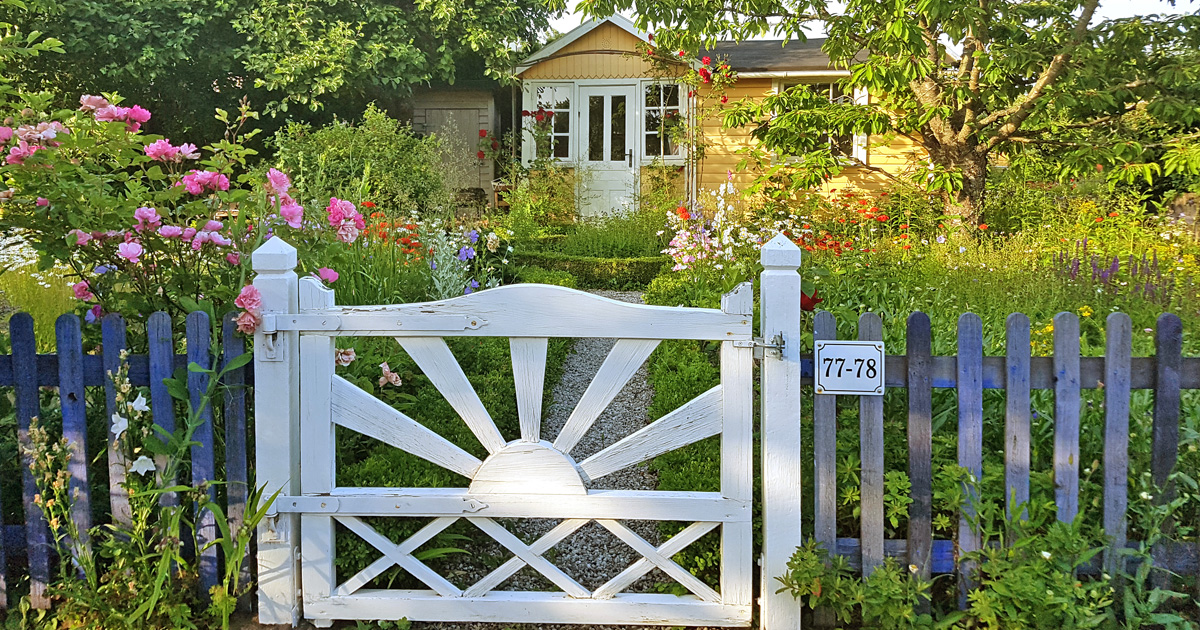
(705, 75)
(907, 247)
(525, 113)
(1113, 214)
(809, 302)
(724, 99)
(650, 36)
(480, 155)
(691, 93)
(549, 114)
(706, 60)
(903, 226)
(540, 117)
(1099, 167)
(1099, 219)
(682, 54)
(367, 204)
(903, 236)
(983, 226)
(483, 133)
(848, 244)
(881, 218)
(683, 213)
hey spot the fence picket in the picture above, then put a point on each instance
(69, 339)
(825, 463)
(161, 360)
(28, 407)
(199, 340)
(1168, 347)
(919, 347)
(112, 336)
(870, 418)
(236, 473)
(1117, 355)
(1066, 415)
(1016, 414)
(970, 438)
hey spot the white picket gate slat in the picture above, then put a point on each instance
(529, 477)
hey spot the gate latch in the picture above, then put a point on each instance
(762, 347)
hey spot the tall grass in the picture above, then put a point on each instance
(43, 294)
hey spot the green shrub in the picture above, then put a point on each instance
(541, 201)
(378, 160)
(677, 289)
(599, 273)
(537, 275)
(634, 235)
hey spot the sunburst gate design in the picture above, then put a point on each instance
(528, 477)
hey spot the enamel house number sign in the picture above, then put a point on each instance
(850, 368)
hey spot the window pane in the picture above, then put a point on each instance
(562, 122)
(653, 145)
(617, 134)
(652, 96)
(595, 128)
(560, 146)
(671, 95)
(654, 123)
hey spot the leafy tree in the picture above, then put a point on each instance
(1030, 74)
(182, 58)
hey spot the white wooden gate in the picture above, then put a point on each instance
(299, 400)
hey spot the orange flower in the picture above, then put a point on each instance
(1113, 214)
(983, 226)
(903, 236)
(1099, 219)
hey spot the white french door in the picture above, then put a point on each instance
(607, 141)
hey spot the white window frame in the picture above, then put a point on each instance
(858, 142)
(684, 112)
(529, 103)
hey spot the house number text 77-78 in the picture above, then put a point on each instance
(850, 368)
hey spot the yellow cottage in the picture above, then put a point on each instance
(608, 106)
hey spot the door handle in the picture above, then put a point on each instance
(629, 158)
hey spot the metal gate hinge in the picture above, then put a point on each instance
(761, 346)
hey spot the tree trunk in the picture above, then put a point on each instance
(963, 207)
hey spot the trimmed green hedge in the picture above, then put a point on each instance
(537, 275)
(599, 273)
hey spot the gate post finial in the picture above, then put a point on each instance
(780, 303)
(276, 428)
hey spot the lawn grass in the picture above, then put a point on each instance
(43, 294)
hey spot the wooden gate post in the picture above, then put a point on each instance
(780, 303)
(276, 430)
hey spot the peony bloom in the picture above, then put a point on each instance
(483, 133)
(344, 356)
(170, 231)
(249, 299)
(42, 202)
(134, 117)
(388, 377)
(809, 302)
(111, 113)
(220, 240)
(247, 323)
(328, 275)
(188, 233)
(292, 213)
(162, 151)
(146, 218)
(130, 251)
(82, 291)
(347, 232)
(213, 225)
(198, 182)
(338, 211)
(188, 151)
(233, 258)
(278, 182)
(91, 103)
(20, 151)
(200, 239)
(706, 60)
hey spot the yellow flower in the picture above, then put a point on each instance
(1085, 311)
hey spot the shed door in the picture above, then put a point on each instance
(607, 148)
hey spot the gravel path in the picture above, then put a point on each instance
(591, 555)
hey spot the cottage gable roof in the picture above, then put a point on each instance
(583, 29)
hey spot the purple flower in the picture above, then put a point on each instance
(466, 253)
(92, 315)
(473, 236)
(474, 284)
(100, 270)
(467, 291)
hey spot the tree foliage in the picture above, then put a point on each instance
(188, 56)
(968, 80)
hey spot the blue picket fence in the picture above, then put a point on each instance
(72, 370)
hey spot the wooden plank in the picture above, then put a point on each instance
(397, 554)
(530, 608)
(737, 452)
(359, 411)
(237, 478)
(642, 566)
(696, 420)
(199, 344)
(510, 542)
(547, 542)
(1066, 415)
(664, 564)
(780, 427)
(870, 431)
(613, 504)
(317, 445)
(69, 339)
(276, 433)
(375, 569)
(436, 361)
(529, 374)
(1117, 353)
(161, 365)
(825, 448)
(527, 310)
(28, 406)
(1016, 414)
(970, 439)
(619, 366)
(1168, 345)
(919, 347)
(112, 335)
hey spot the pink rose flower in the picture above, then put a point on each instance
(200, 239)
(188, 151)
(220, 240)
(292, 213)
(170, 231)
(82, 291)
(249, 299)
(6, 134)
(20, 152)
(197, 182)
(213, 226)
(247, 323)
(233, 258)
(347, 232)
(388, 376)
(162, 151)
(111, 113)
(130, 251)
(137, 114)
(328, 275)
(188, 233)
(91, 103)
(42, 202)
(278, 182)
(344, 356)
(81, 237)
(147, 218)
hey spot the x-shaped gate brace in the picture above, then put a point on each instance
(528, 555)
